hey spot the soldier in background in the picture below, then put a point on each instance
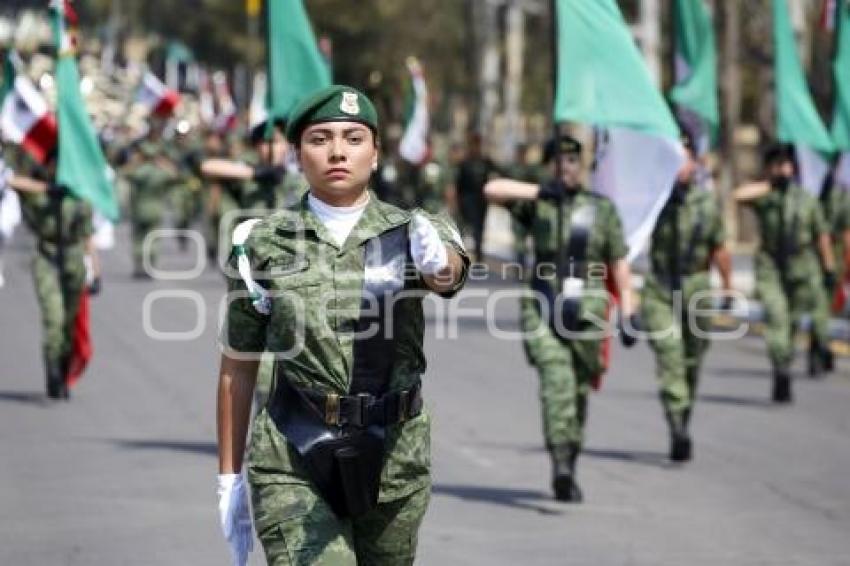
(687, 239)
(473, 173)
(60, 269)
(835, 201)
(794, 267)
(564, 318)
(151, 174)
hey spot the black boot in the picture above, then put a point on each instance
(815, 359)
(563, 473)
(820, 359)
(680, 440)
(57, 387)
(782, 386)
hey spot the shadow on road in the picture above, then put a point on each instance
(734, 373)
(736, 401)
(205, 448)
(24, 397)
(642, 457)
(509, 497)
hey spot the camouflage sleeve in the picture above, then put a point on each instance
(87, 228)
(820, 226)
(523, 212)
(451, 237)
(615, 243)
(843, 221)
(716, 231)
(244, 327)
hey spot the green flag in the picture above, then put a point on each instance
(797, 119)
(695, 90)
(841, 68)
(603, 81)
(296, 67)
(602, 78)
(82, 167)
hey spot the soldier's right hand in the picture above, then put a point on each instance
(628, 332)
(830, 281)
(95, 286)
(235, 516)
(269, 174)
(553, 189)
(55, 190)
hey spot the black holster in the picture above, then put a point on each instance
(341, 438)
(343, 461)
(563, 310)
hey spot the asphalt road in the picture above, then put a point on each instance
(125, 472)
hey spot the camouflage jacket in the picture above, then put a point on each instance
(605, 244)
(692, 229)
(316, 291)
(836, 210)
(790, 223)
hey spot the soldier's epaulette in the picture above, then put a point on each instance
(394, 214)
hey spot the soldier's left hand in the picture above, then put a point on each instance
(426, 247)
(830, 281)
(628, 333)
(95, 286)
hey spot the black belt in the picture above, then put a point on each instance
(361, 410)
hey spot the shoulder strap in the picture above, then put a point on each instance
(259, 296)
(581, 224)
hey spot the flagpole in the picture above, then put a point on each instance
(556, 154)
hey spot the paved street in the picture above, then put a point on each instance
(125, 473)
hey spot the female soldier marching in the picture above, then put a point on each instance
(339, 457)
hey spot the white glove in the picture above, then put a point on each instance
(426, 247)
(235, 516)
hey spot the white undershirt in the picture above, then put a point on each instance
(339, 220)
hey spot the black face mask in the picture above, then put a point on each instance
(680, 191)
(780, 183)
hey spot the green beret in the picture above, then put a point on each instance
(337, 103)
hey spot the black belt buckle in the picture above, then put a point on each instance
(360, 416)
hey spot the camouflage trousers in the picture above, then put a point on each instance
(296, 527)
(679, 346)
(783, 308)
(58, 308)
(566, 369)
(140, 228)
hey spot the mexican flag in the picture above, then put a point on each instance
(156, 97)
(24, 117)
(695, 91)
(296, 67)
(82, 168)
(225, 119)
(257, 112)
(414, 147)
(603, 81)
(841, 112)
(797, 119)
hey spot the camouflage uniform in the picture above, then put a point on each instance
(568, 366)
(294, 523)
(787, 269)
(185, 195)
(688, 231)
(58, 297)
(836, 209)
(150, 185)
